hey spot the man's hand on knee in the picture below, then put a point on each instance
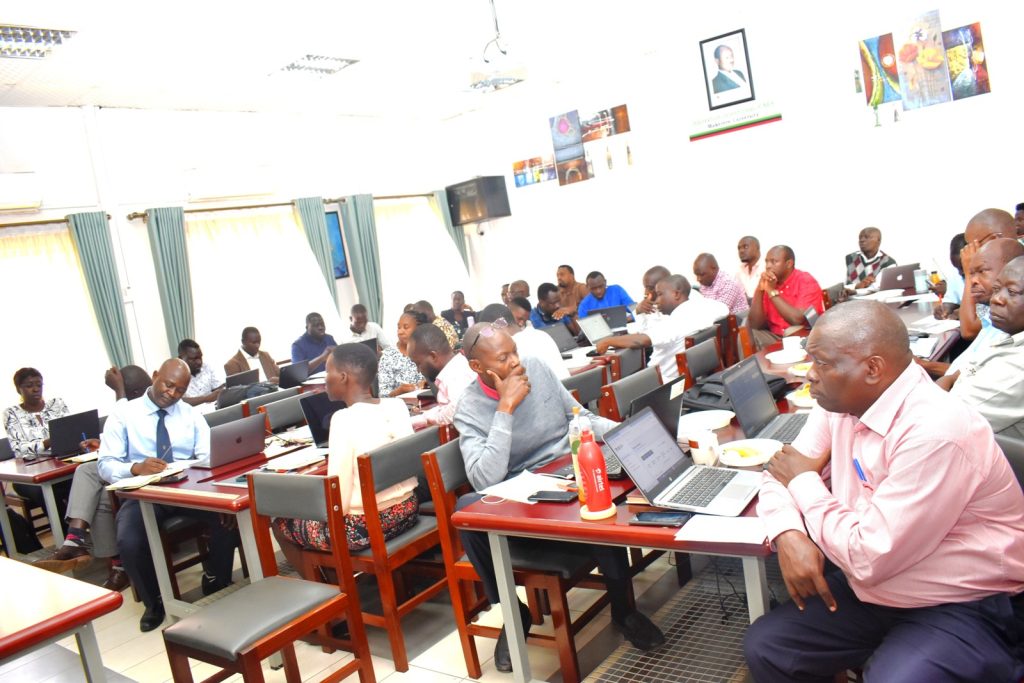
(802, 565)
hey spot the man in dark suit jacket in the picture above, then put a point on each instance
(251, 350)
(727, 77)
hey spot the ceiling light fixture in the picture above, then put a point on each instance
(26, 42)
(500, 72)
(319, 65)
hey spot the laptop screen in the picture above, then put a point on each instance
(562, 336)
(595, 327)
(615, 316)
(751, 398)
(648, 453)
(242, 378)
(293, 375)
(666, 401)
(68, 432)
(319, 409)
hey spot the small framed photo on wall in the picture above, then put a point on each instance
(727, 69)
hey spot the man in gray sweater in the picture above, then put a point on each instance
(515, 417)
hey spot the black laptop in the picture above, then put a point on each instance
(754, 405)
(68, 432)
(615, 316)
(666, 401)
(319, 409)
(243, 378)
(564, 340)
(293, 375)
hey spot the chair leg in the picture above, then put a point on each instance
(291, 664)
(561, 624)
(181, 672)
(684, 572)
(459, 605)
(535, 603)
(389, 609)
(252, 669)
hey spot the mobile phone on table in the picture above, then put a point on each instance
(656, 518)
(553, 497)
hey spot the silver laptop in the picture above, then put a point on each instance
(234, 441)
(754, 405)
(653, 460)
(564, 340)
(897, 277)
(595, 327)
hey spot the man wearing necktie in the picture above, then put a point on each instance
(141, 437)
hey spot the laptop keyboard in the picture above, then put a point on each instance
(703, 487)
(787, 428)
(611, 465)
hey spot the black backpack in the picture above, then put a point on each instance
(236, 394)
(709, 393)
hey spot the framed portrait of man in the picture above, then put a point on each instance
(726, 65)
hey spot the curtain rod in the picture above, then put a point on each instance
(22, 224)
(404, 196)
(142, 214)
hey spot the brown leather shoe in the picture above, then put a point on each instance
(64, 559)
(117, 580)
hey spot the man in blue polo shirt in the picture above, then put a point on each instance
(315, 345)
(548, 303)
(602, 295)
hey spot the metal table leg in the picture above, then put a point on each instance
(510, 608)
(89, 650)
(756, 581)
(173, 607)
(8, 532)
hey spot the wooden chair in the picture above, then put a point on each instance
(283, 414)
(586, 385)
(727, 344)
(699, 361)
(624, 362)
(250, 406)
(744, 343)
(539, 566)
(19, 502)
(830, 296)
(390, 560)
(700, 336)
(224, 415)
(240, 630)
(616, 397)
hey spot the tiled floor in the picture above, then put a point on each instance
(432, 642)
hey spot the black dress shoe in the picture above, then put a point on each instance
(152, 617)
(502, 657)
(641, 631)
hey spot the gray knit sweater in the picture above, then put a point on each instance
(496, 446)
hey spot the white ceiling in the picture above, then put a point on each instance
(415, 56)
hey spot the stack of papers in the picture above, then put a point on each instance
(712, 529)
(930, 325)
(521, 487)
(85, 457)
(297, 460)
(924, 346)
(145, 479)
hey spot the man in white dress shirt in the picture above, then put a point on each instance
(361, 329)
(751, 264)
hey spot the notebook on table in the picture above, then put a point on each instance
(754, 405)
(653, 460)
(233, 441)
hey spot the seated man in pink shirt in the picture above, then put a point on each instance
(924, 523)
(782, 296)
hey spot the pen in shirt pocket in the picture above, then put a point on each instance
(860, 473)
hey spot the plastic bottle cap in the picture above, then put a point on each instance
(587, 436)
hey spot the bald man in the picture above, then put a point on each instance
(986, 225)
(515, 417)
(719, 286)
(924, 521)
(862, 266)
(142, 437)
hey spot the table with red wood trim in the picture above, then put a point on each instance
(40, 607)
(42, 472)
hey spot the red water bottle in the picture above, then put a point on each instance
(594, 479)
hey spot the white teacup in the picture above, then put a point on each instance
(704, 448)
(791, 344)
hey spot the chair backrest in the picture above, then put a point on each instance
(630, 361)
(397, 461)
(224, 415)
(699, 361)
(284, 414)
(701, 336)
(252, 405)
(1013, 449)
(744, 343)
(6, 452)
(617, 396)
(830, 295)
(447, 478)
(587, 383)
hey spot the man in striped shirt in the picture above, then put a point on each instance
(718, 286)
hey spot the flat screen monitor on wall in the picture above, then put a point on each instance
(480, 199)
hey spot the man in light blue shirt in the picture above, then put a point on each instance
(141, 437)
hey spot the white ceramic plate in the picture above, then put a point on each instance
(800, 399)
(761, 451)
(702, 421)
(800, 369)
(785, 357)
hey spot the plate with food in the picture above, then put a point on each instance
(748, 452)
(786, 356)
(802, 398)
(800, 369)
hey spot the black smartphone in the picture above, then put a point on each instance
(670, 518)
(553, 497)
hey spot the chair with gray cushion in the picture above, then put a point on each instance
(617, 396)
(1013, 449)
(217, 418)
(541, 566)
(697, 362)
(252, 405)
(586, 385)
(700, 336)
(284, 414)
(240, 630)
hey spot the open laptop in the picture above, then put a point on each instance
(243, 378)
(293, 375)
(754, 405)
(233, 441)
(318, 409)
(666, 401)
(615, 316)
(564, 339)
(595, 327)
(653, 460)
(897, 277)
(68, 432)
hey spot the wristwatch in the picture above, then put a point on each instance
(773, 293)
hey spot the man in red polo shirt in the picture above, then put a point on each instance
(782, 296)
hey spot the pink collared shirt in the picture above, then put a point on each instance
(451, 382)
(939, 516)
(728, 291)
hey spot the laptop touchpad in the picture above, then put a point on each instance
(735, 491)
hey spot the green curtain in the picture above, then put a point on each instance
(166, 228)
(91, 235)
(311, 211)
(361, 235)
(456, 232)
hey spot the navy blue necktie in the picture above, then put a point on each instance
(163, 439)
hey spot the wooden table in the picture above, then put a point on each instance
(562, 522)
(42, 472)
(38, 608)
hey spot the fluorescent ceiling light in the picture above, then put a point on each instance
(319, 65)
(26, 42)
